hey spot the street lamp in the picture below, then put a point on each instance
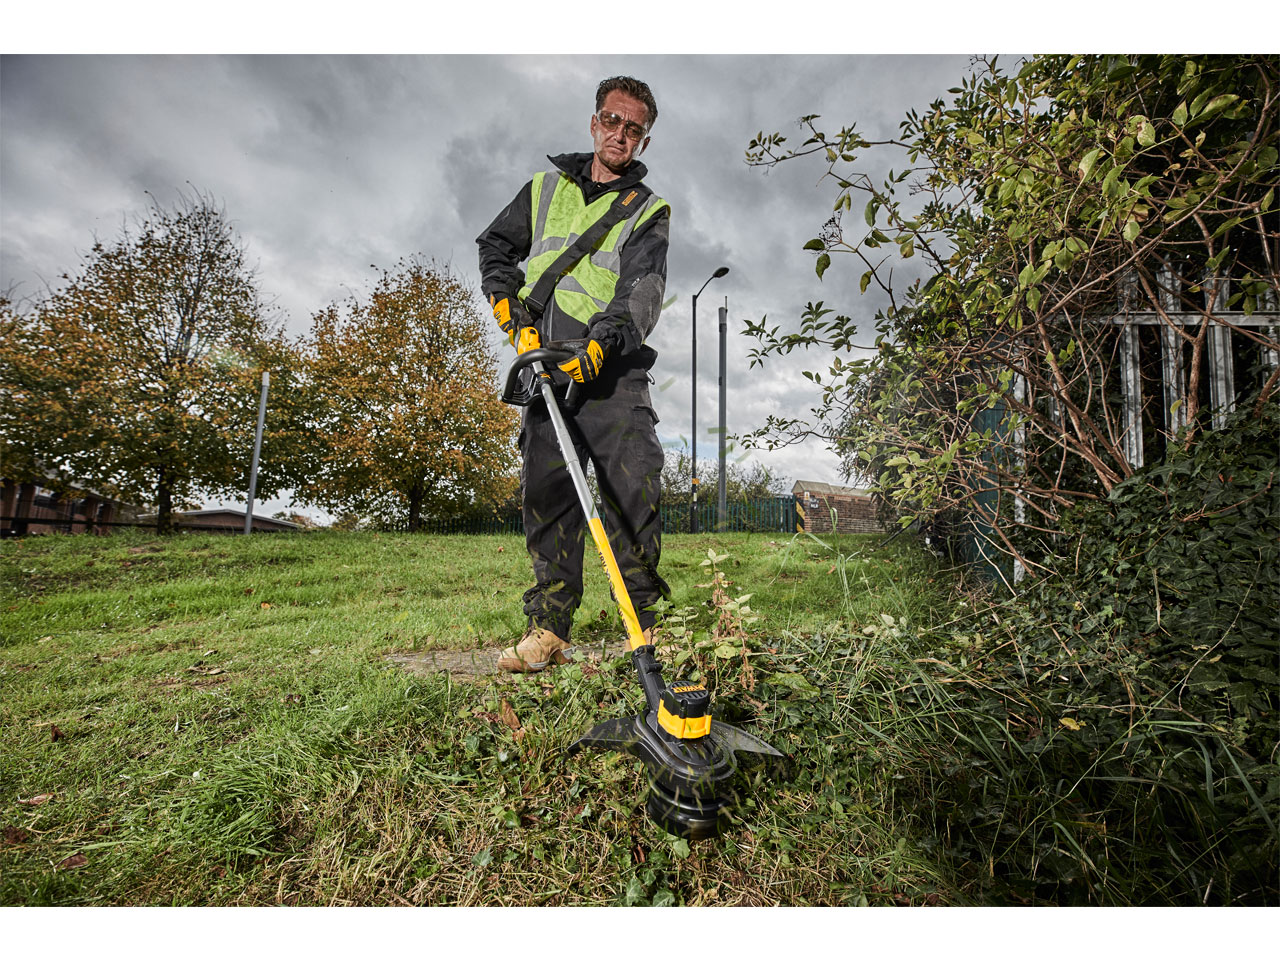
(693, 508)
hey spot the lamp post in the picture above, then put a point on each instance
(693, 508)
(721, 509)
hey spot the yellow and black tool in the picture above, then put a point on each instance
(691, 757)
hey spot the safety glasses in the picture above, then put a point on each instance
(611, 121)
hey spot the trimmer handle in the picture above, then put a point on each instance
(517, 394)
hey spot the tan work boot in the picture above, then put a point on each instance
(538, 650)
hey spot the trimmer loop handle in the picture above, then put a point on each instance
(512, 391)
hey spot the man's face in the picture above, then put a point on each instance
(615, 148)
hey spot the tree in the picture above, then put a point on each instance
(1045, 206)
(741, 483)
(412, 427)
(140, 376)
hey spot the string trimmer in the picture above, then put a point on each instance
(690, 757)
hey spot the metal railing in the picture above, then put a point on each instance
(764, 515)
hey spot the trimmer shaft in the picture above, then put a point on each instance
(688, 756)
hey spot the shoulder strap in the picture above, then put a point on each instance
(627, 203)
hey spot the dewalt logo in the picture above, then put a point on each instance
(688, 689)
(631, 196)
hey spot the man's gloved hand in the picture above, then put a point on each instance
(511, 316)
(585, 365)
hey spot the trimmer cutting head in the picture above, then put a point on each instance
(691, 787)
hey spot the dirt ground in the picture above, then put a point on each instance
(482, 662)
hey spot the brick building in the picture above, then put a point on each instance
(28, 508)
(824, 508)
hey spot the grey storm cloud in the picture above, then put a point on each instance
(329, 164)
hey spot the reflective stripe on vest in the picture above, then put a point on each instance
(560, 216)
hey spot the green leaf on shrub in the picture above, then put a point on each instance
(1090, 158)
(1146, 133)
(824, 261)
(1219, 103)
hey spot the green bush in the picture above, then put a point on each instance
(1114, 727)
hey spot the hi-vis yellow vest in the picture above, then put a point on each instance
(560, 216)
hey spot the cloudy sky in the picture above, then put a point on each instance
(327, 164)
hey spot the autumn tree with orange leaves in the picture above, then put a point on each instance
(140, 376)
(412, 426)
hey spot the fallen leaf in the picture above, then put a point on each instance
(72, 862)
(205, 671)
(16, 835)
(35, 801)
(508, 716)
(501, 549)
(56, 733)
(265, 605)
(248, 591)
(1069, 723)
(291, 698)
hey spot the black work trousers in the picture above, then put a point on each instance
(616, 434)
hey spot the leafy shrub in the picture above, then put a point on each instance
(1118, 733)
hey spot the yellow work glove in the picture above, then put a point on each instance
(585, 365)
(511, 315)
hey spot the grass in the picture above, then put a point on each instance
(214, 722)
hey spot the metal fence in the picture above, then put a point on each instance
(505, 523)
(19, 526)
(765, 515)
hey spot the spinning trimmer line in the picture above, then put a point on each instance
(690, 758)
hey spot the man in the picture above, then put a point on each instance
(609, 302)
